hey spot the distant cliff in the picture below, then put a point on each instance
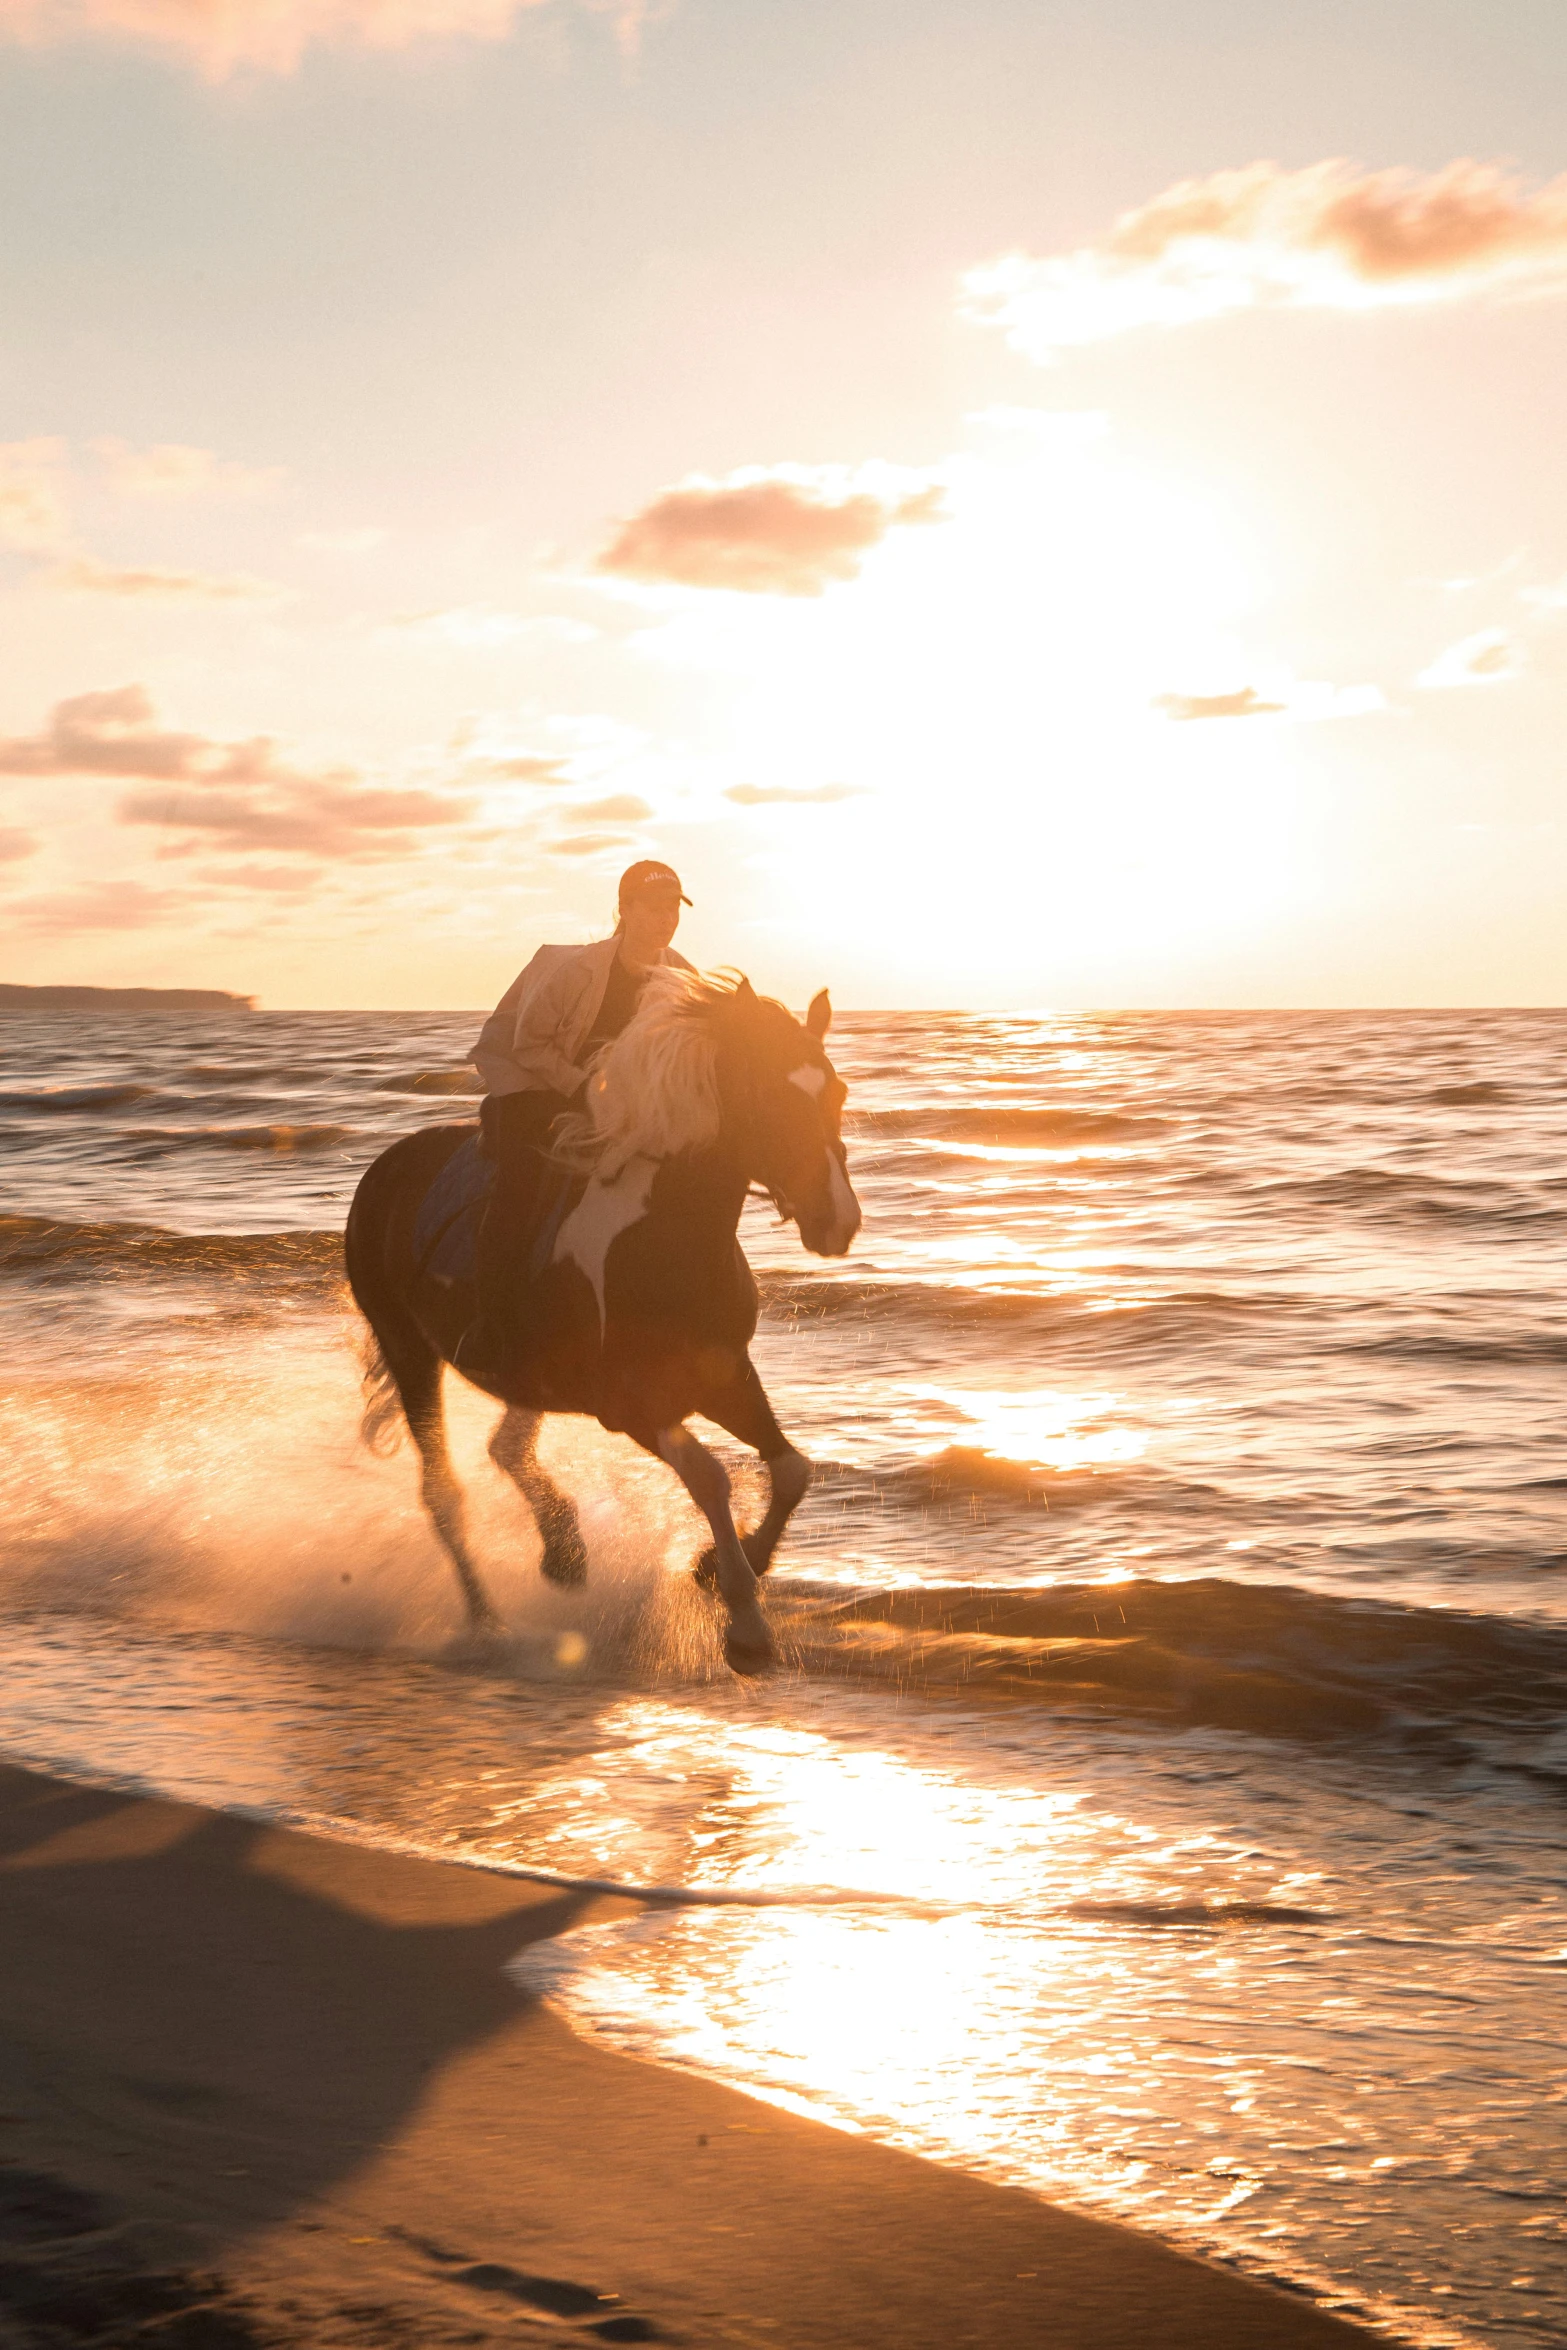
(122, 999)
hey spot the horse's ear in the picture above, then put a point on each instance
(819, 1018)
(745, 993)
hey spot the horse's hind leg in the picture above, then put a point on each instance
(512, 1449)
(742, 1407)
(416, 1367)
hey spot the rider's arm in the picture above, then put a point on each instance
(520, 1049)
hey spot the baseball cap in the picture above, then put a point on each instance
(645, 875)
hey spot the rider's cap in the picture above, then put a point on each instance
(644, 875)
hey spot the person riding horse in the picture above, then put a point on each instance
(534, 1054)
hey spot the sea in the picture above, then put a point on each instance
(1160, 1803)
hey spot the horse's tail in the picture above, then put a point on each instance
(383, 1423)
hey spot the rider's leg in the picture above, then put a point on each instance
(516, 1134)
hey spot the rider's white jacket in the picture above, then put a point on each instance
(531, 1041)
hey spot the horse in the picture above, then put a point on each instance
(639, 1308)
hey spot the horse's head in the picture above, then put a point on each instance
(786, 1099)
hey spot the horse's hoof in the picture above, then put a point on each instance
(749, 1658)
(478, 1645)
(566, 1566)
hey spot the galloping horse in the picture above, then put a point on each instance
(640, 1306)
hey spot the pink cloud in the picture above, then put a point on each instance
(621, 808)
(785, 533)
(105, 905)
(239, 792)
(110, 733)
(174, 472)
(782, 795)
(85, 575)
(1488, 658)
(526, 770)
(588, 844)
(271, 35)
(294, 881)
(1245, 703)
(16, 844)
(1329, 237)
(32, 509)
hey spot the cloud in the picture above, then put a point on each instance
(110, 733)
(623, 808)
(32, 510)
(791, 531)
(485, 628)
(526, 770)
(272, 35)
(16, 844)
(294, 881)
(1330, 237)
(34, 520)
(782, 795)
(240, 792)
(106, 905)
(1297, 699)
(171, 471)
(1246, 703)
(1488, 658)
(319, 819)
(587, 844)
(85, 575)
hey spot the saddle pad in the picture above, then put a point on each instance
(446, 1229)
(447, 1224)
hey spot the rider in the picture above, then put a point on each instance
(533, 1054)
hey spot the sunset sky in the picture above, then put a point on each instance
(1024, 502)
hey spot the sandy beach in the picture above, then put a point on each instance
(259, 2087)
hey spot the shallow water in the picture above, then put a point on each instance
(1176, 1639)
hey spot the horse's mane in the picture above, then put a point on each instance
(654, 1090)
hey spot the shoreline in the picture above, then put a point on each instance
(261, 2087)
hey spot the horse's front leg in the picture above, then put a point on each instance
(741, 1406)
(748, 1645)
(512, 1449)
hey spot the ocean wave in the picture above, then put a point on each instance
(41, 1248)
(1107, 1324)
(247, 1075)
(1406, 1197)
(280, 1136)
(1267, 1659)
(466, 1081)
(53, 1100)
(1005, 1122)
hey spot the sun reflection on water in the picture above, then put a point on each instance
(1043, 1427)
(960, 2007)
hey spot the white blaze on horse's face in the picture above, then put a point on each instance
(843, 1217)
(808, 1178)
(789, 1098)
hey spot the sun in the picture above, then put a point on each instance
(986, 699)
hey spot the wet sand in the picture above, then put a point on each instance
(257, 2087)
